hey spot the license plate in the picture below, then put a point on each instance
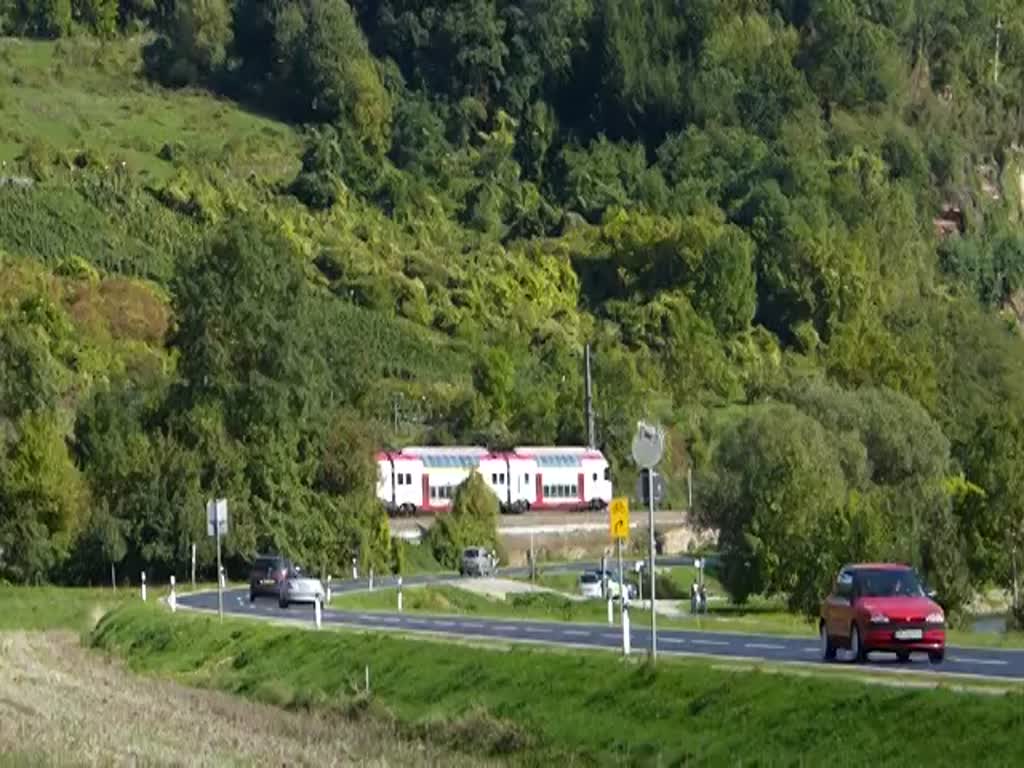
(908, 634)
(267, 581)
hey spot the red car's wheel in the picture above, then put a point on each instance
(857, 649)
(828, 648)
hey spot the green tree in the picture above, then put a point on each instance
(43, 499)
(472, 522)
(778, 493)
(99, 15)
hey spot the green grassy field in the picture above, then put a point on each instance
(81, 95)
(45, 608)
(452, 600)
(534, 707)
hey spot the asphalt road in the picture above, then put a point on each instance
(990, 663)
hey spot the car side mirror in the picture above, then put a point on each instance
(932, 594)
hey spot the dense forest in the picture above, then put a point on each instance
(790, 230)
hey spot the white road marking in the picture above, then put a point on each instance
(710, 642)
(538, 630)
(577, 633)
(506, 628)
(611, 635)
(766, 646)
(415, 621)
(810, 650)
(467, 625)
(445, 623)
(990, 662)
(673, 640)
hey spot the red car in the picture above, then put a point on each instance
(881, 607)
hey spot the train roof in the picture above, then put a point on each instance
(569, 456)
(447, 450)
(467, 457)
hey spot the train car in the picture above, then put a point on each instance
(526, 478)
(557, 478)
(424, 479)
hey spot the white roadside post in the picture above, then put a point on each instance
(193, 565)
(371, 578)
(143, 586)
(328, 599)
(648, 448)
(618, 524)
(173, 599)
(355, 570)
(399, 594)
(316, 609)
(611, 609)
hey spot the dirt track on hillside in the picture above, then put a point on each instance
(61, 705)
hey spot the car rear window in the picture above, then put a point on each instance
(589, 578)
(266, 564)
(472, 553)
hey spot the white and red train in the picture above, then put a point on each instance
(550, 478)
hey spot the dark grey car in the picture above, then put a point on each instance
(266, 575)
(477, 561)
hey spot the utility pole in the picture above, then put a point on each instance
(648, 449)
(995, 67)
(651, 579)
(589, 397)
(689, 491)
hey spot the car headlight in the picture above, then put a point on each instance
(935, 618)
(879, 618)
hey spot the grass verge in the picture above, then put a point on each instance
(532, 706)
(46, 608)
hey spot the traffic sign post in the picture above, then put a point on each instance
(618, 518)
(217, 525)
(648, 448)
(618, 527)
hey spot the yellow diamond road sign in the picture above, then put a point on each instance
(618, 521)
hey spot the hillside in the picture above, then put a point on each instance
(239, 238)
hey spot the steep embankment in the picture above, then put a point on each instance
(592, 709)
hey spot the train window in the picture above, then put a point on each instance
(607, 473)
(401, 479)
(526, 478)
(494, 478)
(501, 478)
(433, 492)
(572, 491)
(408, 478)
(547, 490)
(595, 477)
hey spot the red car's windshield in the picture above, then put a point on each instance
(889, 583)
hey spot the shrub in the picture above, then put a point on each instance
(473, 521)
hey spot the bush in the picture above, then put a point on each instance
(472, 522)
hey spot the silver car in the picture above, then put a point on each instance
(299, 587)
(477, 561)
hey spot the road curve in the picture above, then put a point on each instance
(996, 664)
